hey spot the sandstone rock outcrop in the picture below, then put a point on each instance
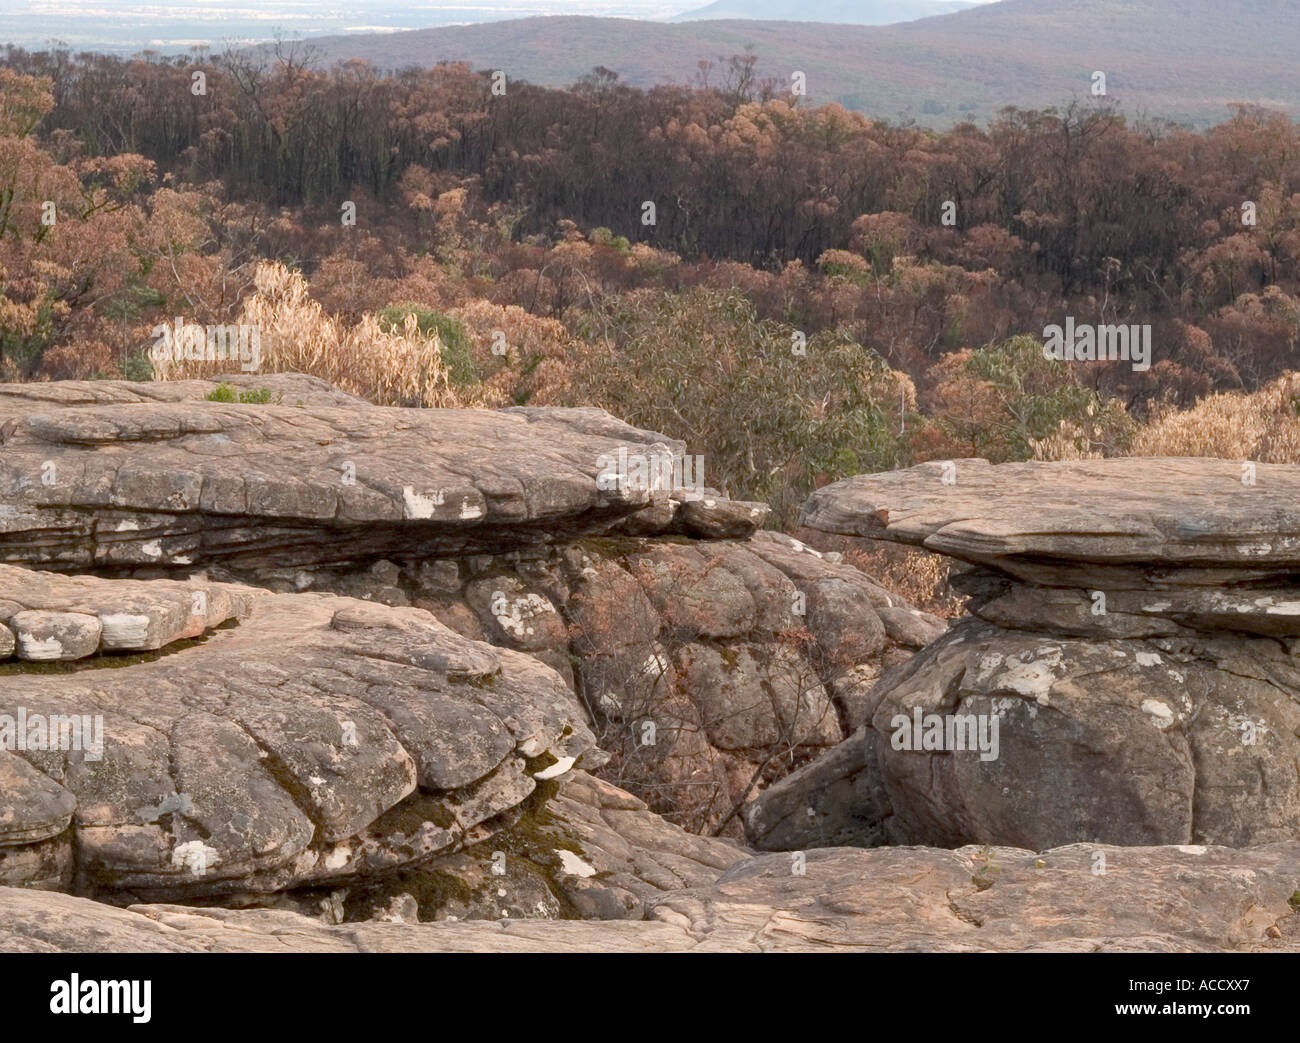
(709, 658)
(584, 850)
(115, 474)
(845, 900)
(1132, 635)
(318, 739)
(697, 660)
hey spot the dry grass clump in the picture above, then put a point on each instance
(915, 575)
(1264, 426)
(396, 367)
(1068, 442)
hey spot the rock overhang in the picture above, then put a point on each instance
(1128, 512)
(115, 474)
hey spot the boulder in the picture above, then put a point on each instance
(1127, 675)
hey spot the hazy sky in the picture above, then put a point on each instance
(127, 25)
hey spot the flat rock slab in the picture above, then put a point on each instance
(50, 617)
(1172, 510)
(120, 474)
(1161, 899)
(320, 739)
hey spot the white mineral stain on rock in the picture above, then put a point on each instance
(194, 856)
(152, 549)
(419, 507)
(338, 858)
(1032, 678)
(128, 526)
(557, 769)
(38, 649)
(1148, 659)
(654, 666)
(1255, 550)
(572, 864)
(469, 510)
(514, 616)
(1160, 711)
(1158, 606)
(124, 630)
(987, 664)
(1192, 849)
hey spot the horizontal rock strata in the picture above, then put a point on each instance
(47, 617)
(118, 475)
(1132, 633)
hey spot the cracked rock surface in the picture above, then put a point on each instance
(115, 474)
(320, 739)
(907, 899)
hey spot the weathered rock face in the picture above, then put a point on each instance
(583, 849)
(503, 594)
(703, 663)
(319, 739)
(47, 617)
(1130, 650)
(845, 900)
(116, 474)
(1174, 511)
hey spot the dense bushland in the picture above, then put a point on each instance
(797, 311)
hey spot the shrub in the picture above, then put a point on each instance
(457, 343)
(772, 424)
(1263, 426)
(1008, 401)
(228, 393)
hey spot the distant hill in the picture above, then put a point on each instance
(847, 12)
(1187, 60)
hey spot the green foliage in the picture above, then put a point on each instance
(604, 237)
(457, 342)
(1030, 396)
(229, 393)
(702, 367)
(138, 367)
(128, 305)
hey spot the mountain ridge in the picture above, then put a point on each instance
(1188, 62)
(838, 12)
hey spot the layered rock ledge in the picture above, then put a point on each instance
(47, 617)
(1132, 635)
(252, 739)
(103, 475)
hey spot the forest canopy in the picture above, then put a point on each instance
(864, 294)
